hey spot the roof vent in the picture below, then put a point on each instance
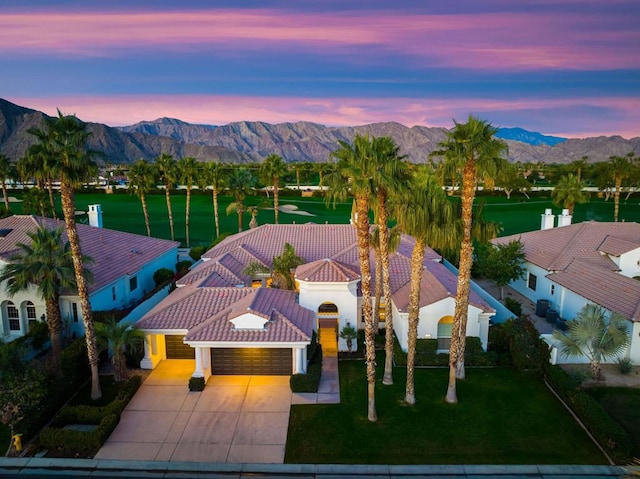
(5, 232)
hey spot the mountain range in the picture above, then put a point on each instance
(247, 141)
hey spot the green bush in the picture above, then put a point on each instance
(528, 352)
(196, 252)
(309, 382)
(624, 365)
(182, 266)
(514, 306)
(78, 442)
(162, 275)
(196, 384)
(426, 347)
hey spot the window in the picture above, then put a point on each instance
(74, 312)
(532, 282)
(113, 293)
(133, 283)
(445, 329)
(327, 309)
(552, 290)
(256, 283)
(13, 316)
(31, 314)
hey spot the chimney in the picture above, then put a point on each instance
(564, 219)
(95, 216)
(548, 220)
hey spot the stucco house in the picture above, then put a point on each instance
(574, 264)
(232, 323)
(122, 266)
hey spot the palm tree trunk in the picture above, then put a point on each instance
(616, 198)
(239, 220)
(186, 218)
(5, 196)
(362, 231)
(417, 258)
(459, 333)
(594, 367)
(51, 200)
(119, 366)
(378, 289)
(216, 217)
(146, 213)
(68, 208)
(167, 194)
(276, 198)
(54, 325)
(387, 378)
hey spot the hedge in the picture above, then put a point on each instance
(427, 355)
(309, 382)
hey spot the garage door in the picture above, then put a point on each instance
(260, 361)
(176, 349)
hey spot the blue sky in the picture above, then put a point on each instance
(565, 67)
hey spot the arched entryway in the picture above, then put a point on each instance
(328, 317)
(445, 326)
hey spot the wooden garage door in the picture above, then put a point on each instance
(176, 349)
(260, 361)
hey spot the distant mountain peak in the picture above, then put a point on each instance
(529, 137)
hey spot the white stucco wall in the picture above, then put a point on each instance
(543, 286)
(18, 300)
(343, 295)
(629, 263)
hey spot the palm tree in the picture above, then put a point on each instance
(142, 177)
(188, 173)
(35, 164)
(473, 147)
(168, 169)
(215, 177)
(394, 242)
(593, 334)
(425, 214)
(354, 173)
(283, 266)
(619, 169)
(272, 170)
(120, 337)
(5, 173)
(240, 183)
(568, 192)
(46, 263)
(578, 166)
(64, 141)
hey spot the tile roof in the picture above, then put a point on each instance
(554, 249)
(287, 320)
(617, 246)
(612, 291)
(113, 253)
(327, 271)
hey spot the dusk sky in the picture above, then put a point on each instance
(561, 67)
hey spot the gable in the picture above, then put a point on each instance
(249, 321)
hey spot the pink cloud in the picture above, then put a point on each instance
(623, 118)
(497, 41)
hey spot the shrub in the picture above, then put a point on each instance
(196, 384)
(624, 365)
(196, 252)
(514, 306)
(528, 351)
(74, 441)
(309, 382)
(162, 275)
(183, 266)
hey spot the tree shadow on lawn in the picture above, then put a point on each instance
(502, 418)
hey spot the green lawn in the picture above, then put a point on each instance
(622, 404)
(502, 418)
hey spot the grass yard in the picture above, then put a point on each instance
(622, 404)
(502, 418)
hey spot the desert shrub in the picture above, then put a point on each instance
(162, 275)
(196, 384)
(624, 365)
(514, 306)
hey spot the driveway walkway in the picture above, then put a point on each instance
(239, 419)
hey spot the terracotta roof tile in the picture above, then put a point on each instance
(617, 246)
(113, 253)
(327, 271)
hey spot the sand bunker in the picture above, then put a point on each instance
(293, 210)
(13, 199)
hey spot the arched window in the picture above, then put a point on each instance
(30, 313)
(445, 327)
(327, 309)
(13, 316)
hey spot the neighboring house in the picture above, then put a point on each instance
(122, 265)
(231, 323)
(576, 264)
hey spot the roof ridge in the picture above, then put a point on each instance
(290, 325)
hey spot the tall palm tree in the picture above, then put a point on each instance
(354, 174)
(216, 178)
(619, 169)
(142, 177)
(46, 263)
(5, 174)
(473, 147)
(36, 165)
(188, 169)
(425, 214)
(568, 192)
(578, 166)
(593, 334)
(272, 170)
(168, 169)
(390, 175)
(119, 337)
(282, 267)
(240, 182)
(64, 139)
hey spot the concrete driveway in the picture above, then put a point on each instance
(240, 419)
